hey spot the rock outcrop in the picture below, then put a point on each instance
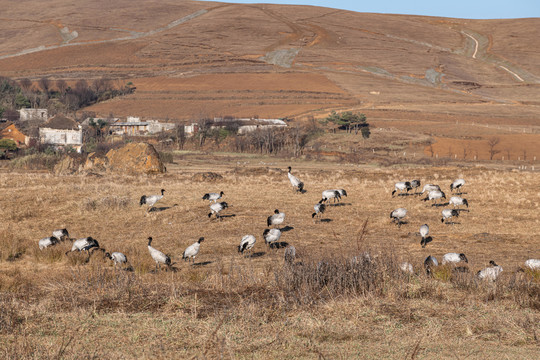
(135, 158)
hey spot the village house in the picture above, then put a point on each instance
(61, 131)
(33, 114)
(134, 126)
(10, 131)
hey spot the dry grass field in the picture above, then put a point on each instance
(231, 306)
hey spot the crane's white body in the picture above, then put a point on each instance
(457, 201)
(331, 194)
(84, 244)
(398, 214)
(215, 208)
(448, 213)
(430, 187)
(406, 267)
(247, 243)
(424, 231)
(192, 250)
(213, 196)
(61, 234)
(46, 242)
(490, 273)
(276, 219)
(457, 184)
(533, 264)
(118, 258)
(271, 235)
(452, 258)
(400, 186)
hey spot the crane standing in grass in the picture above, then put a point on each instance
(297, 185)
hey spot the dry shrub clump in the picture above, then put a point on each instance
(108, 202)
(38, 161)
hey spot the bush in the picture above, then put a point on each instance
(37, 161)
(8, 144)
(166, 157)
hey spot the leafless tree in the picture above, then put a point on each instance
(101, 85)
(180, 132)
(492, 142)
(524, 154)
(61, 85)
(508, 153)
(203, 124)
(25, 84)
(44, 84)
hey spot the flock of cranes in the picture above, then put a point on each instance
(434, 193)
(272, 234)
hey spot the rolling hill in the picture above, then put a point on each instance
(193, 59)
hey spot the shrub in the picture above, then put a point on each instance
(37, 161)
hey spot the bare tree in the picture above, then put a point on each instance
(25, 84)
(524, 154)
(180, 131)
(492, 142)
(44, 84)
(203, 125)
(61, 85)
(508, 153)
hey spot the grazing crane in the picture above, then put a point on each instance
(424, 231)
(297, 185)
(430, 187)
(490, 273)
(435, 195)
(448, 213)
(400, 186)
(117, 258)
(192, 250)
(247, 243)
(415, 184)
(213, 196)
(319, 209)
(46, 242)
(533, 264)
(271, 236)
(215, 208)
(454, 258)
(151, 200)
(406, 267)
(397, 215)
(276, 219)
(158, 256)
(84, 244)
(61, 234)
(457, 184)
(457, 201)
(429, 264)
(332, 194)
(290, 254)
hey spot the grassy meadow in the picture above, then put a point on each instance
(324, 306)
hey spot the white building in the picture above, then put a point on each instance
(134, 126)
(61, 131)
(33, 114)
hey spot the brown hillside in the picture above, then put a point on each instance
(193, 59)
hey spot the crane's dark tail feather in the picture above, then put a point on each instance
(301, 186)
(143, 200)
(206, 197)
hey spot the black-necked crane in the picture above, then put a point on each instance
(424, 232)
(435, 195)
(192, 250)
(271, 236)
(457, 201)
(215, 208)
(319, 209)
(449, 213)
(158, 256)
(213, 196)
(247, 243)
(400, 186)
(429, 263)
(84, 244)
(398, 215)
(457, 184)
(117, 258)
(490, 273)
(61, 234)
(276, 219)
(151, 200)
(454, 258)
(297, 185)
(331, 194)
(415, 184)
(46, 242)
(430, 187)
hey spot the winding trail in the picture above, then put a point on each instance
(476, 44)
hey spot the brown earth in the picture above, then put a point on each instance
(198, 59)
